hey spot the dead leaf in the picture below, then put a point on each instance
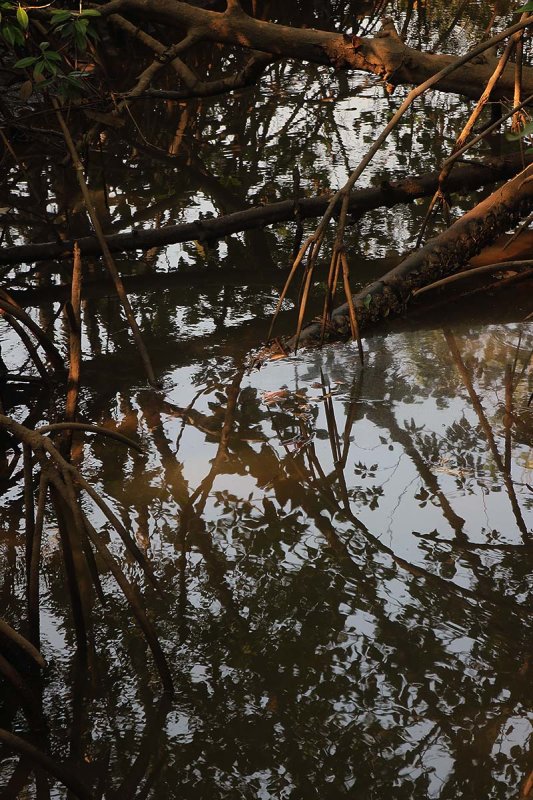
(273, 397)
(26, 90)
(273, 704)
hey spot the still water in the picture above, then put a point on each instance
(346, 573)
(345, 552)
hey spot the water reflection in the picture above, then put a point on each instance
(345, 553)
(365, 552)
(346, 556)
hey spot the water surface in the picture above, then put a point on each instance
(345, 551)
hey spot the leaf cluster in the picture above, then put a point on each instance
(14, 22)
(75, 27)
(46, 60)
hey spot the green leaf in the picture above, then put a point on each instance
(25, 62)
(90, 12)
(18, 35)
(8, 32)
(39, 87)
(73, 81)
(60, 16)
(39, 68)
(367, 301)
(52, 55)
(80, 39)
(22, 18)
(66, 29)
(527, 7)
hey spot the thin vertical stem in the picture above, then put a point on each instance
(508, 416)
(518, 117)
(328, 300)
(74, 319)
(73, 314)
(108, 258)
(34, 567)
(354, 324)
(29, 503)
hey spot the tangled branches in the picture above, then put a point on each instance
(310, 250)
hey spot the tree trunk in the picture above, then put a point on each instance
(465, 177)
(384, 55)
(441, 256)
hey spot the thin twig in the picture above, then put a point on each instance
(468, 273)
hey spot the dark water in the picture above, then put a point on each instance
(345, 552)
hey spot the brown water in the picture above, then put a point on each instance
(345, 552)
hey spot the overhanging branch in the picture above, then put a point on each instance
(384, 55)
(441, 256)
(466, 177)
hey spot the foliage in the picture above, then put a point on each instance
(69, 36)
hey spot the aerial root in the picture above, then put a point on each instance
(64, 485)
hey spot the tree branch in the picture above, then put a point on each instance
(465, 177)
(385, 55)
(441, 256)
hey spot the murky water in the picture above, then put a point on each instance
(345, 553)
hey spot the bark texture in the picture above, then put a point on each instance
(384, 55)
(441, 256)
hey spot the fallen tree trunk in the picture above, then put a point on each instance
(384, 55)
(441, 256)
(465, 177)
(96, 288)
